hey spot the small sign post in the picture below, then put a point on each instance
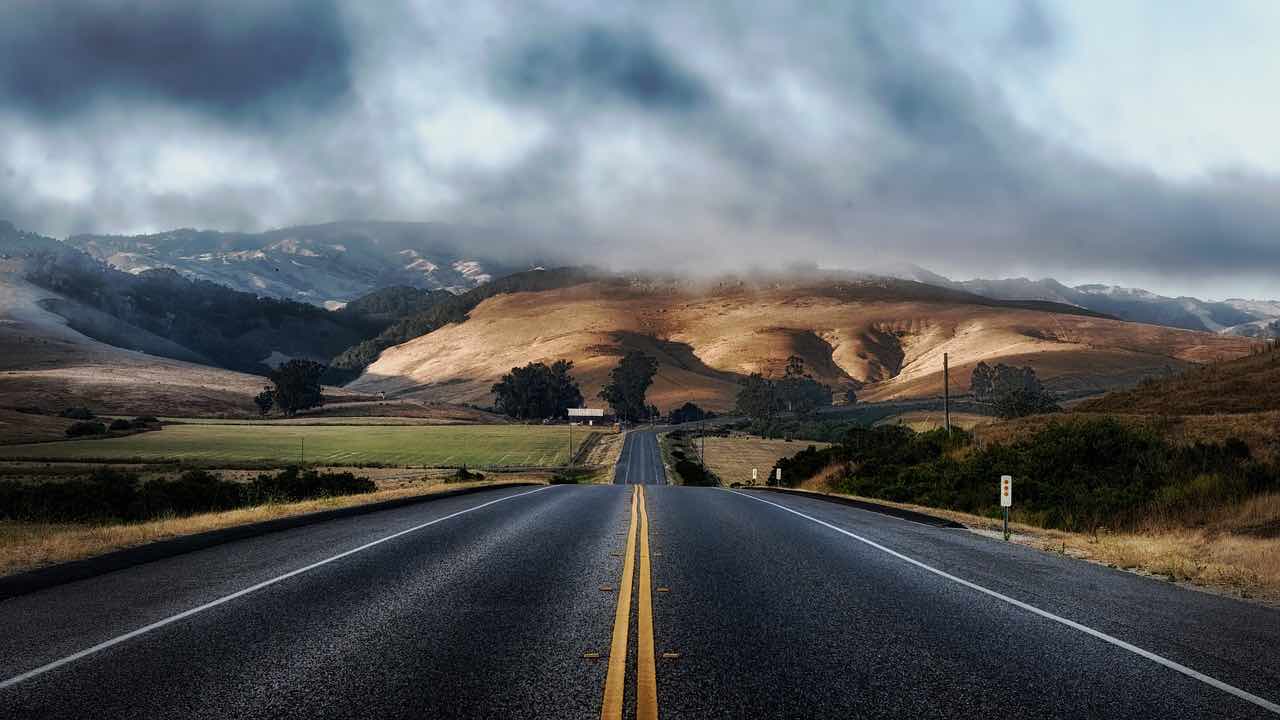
(755, 475)
(778, 477)
(1006, 500)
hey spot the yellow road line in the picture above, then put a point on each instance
(646, 675)
(615, 681)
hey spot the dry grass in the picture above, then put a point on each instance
(925, 420)
(704, 338)
(24, 546)
(605, 454)
(1243, 385)
(732, 458)
(1237, 554)
(1260, 431)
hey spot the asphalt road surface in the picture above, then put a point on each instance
(650, 601)
(641, 461)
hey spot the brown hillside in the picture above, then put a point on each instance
(885, 339)
(47, 365)
(1244, 385)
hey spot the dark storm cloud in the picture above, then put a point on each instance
(235, 59)
(664, 133)
(597, 63)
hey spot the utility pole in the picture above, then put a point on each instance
(946, 393)
(570, 463)
(704, 442)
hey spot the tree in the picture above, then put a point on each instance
(850, 396)
(757, 397)
(297, 386)
(537, 391)
(982, 382)
(628, 383)
(798, 391)
(265, 400)
(687, 412)
(1016, 391)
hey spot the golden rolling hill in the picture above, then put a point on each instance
(886, 338)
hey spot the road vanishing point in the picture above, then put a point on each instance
(633, 600)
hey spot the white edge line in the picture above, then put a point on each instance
(238, 594)
(1194, 674)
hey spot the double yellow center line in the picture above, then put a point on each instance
(646, 674)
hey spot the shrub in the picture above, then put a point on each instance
(293, 484)
(85, 428)
(1074, 475)
(465, 475)
(119, 425)
(694, 474)
(77, 413)
(109, 494)
(144, 420)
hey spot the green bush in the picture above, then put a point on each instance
(693, 474)
(85, 428)
(78, 413)
(293, 484)
(1074, 475)
(109, 494)
(119, 425)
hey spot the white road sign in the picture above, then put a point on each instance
(779, 474)
(586, 412)
(755, 474)
(1006, 491)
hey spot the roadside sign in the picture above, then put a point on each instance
(586, 412)
(779, 476)
(1006, 491)
(755, 474)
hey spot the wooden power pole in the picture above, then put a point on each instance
(946, 393)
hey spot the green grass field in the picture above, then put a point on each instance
(473, 445)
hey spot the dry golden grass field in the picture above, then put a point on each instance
(732, 458)
(886, 340)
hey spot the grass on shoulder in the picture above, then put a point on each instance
(26, 545)
(1235, 553)
(732, 458)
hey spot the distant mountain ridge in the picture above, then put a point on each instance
(325, 265)
(1246, 318)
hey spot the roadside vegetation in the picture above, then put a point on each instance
(114, 494)
(681, 452)
(25, 545)
(1078, 475)
(1140, 479)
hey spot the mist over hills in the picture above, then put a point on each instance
(324, 265)
(443, 328)
(1234, 316)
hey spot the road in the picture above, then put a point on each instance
(641, 461)
(641, 601)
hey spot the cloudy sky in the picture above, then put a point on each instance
(1129, 142)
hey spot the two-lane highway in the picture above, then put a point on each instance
(641, 460)
(625, 601)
